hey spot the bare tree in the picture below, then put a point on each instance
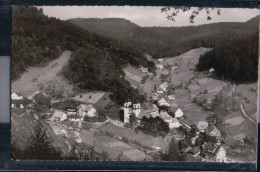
(172, 12)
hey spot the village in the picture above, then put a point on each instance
(175, 93)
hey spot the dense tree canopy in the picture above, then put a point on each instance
(234, 59)
(37, 39)
(154, 126)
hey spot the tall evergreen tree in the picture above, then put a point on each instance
(40, 146)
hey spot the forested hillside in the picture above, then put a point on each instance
(235, 44)
(234, 59)
(167, 41)
(38, 39)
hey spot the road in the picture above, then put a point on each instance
(242, 108)
(245, 114)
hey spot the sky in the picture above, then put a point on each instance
(149, 16)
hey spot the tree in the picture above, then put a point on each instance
(102, 115)
(154, 126)
(40, 146)
(133, 121)
(173, 152)
(176, 10)
(42, 100)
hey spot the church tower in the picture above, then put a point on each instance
(127, 111)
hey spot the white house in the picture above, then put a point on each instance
(211, 70)
(159, 60)
(159, 66)
(144, 69)
(174, 123)
(164, 102)
(171, 97)
(164, 86)
(179, 113)
(14, 96)
(89, 110)
(221, 154)
(21, 106)
(159, 91)
(58, 115)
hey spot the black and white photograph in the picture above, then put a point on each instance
(134, 83)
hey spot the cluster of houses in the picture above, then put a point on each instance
(150, 110)
(74, 114)
(70, 113)
(209, 150)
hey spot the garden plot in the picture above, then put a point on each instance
(89, 97)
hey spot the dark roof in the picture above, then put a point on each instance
(74, 116)
(212, 148)
(142, 114)
(71, 109)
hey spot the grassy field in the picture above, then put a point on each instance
(235, 126)
(46, 77)
(131, 135)
(112, 146)
(89, 97)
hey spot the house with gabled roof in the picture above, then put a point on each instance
(144, 69)
(173, 122)
(151, 109)
(86, 110)
(164, 86)
(213, 131)
(15, 96)
(178, 113)
(58, 115)
(216, 152)
(159, 66)
(164, 101)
